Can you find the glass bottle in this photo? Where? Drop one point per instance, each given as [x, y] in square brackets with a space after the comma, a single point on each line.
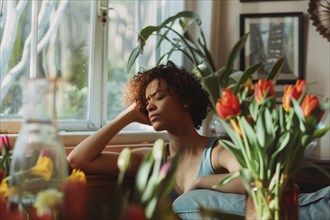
[38, 160]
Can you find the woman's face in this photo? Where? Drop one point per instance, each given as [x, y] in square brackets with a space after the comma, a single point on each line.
[165, 112]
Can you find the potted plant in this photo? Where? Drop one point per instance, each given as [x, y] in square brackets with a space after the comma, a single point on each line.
[195, 50]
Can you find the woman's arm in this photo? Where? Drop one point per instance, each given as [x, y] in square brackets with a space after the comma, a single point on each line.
[88, 155]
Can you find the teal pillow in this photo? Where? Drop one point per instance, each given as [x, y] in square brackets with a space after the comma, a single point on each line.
[314, 205]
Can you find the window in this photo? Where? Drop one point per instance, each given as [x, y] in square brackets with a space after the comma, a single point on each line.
[84, 43]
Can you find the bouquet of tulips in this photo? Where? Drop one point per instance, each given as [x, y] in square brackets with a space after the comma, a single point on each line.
[269, 139]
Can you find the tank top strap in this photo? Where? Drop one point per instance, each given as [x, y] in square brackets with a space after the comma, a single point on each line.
[205, 167]
[167, 153]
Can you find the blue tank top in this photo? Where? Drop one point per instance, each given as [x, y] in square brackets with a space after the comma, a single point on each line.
[205, 167]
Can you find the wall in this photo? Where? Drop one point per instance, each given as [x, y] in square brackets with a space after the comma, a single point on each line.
[316, 48]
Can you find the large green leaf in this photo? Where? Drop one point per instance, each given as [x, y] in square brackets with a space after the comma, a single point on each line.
[232, 58]
[281, 144]
[183, 14]
[277, 67]
[146, 32]
[132, 58]
[261, 131]
[320, 132]
[251, 134]
[233, 136]
[212, 86]
[298, 111]
[270, 128]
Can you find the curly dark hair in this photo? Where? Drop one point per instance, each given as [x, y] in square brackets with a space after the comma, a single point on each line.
[186, 86]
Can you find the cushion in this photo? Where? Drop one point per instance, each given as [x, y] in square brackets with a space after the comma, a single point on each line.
[314, 205]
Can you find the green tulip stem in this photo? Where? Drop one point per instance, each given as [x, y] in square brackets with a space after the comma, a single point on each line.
[120, 178]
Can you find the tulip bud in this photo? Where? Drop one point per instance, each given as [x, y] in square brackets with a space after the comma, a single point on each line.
[261, 88]
[300, 85]
[158, 149]
[164, 170]
[290, 92]
[4, 142]
[309, 104]
[124, 160]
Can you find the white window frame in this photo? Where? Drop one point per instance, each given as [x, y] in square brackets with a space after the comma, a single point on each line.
[97, 102]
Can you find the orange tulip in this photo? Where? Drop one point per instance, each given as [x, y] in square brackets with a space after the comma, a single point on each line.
[228, 106]
[261, 88]
[309, 104]
[290, 92]
[300, 85]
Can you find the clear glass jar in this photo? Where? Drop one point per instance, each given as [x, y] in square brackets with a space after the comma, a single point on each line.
[216, 129]
[38, 160]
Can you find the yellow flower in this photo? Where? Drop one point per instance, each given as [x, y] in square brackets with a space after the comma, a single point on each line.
[4, 192]
[47, 201]
[43, 168]
[78, 175]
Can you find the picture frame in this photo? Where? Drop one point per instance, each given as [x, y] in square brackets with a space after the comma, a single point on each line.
[261, 0]
[272, 35]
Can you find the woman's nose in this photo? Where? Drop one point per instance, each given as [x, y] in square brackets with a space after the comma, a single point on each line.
[151, 106]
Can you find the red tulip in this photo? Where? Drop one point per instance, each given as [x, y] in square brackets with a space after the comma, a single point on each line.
[228, 106]
[309, 104]
[10, 213]
[135, 212]
[261, 88]
[75, 200]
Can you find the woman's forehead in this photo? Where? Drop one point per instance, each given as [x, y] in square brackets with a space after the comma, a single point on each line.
[155, 85]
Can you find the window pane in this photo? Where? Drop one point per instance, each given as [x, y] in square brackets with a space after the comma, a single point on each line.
[63, 46]
[125, 21]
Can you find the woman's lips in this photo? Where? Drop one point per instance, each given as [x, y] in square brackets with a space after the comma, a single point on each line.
[153, 117]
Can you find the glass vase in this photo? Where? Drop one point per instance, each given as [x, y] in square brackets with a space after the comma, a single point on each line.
[215, 127]
[262, 204]
[289, 204]
[38, 160]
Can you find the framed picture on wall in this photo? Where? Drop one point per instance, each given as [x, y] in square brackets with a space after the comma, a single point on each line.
[261, 0]
[273, 35]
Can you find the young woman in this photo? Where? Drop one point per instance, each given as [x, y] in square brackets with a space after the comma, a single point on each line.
[171, 99]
